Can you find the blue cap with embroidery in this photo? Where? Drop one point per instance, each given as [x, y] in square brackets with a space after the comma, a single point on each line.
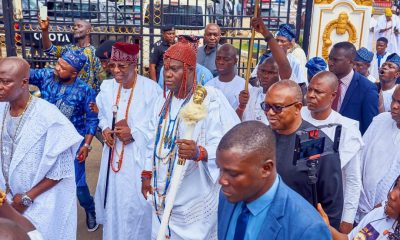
[363, 55]
[394, 58]
[75, 58]
[287, 31]
[315, 65]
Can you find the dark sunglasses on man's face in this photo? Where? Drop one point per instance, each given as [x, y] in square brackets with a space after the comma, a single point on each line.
[277, 109]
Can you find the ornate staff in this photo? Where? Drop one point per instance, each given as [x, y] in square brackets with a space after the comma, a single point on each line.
[115, 109]
[190, 114]
[250, 54]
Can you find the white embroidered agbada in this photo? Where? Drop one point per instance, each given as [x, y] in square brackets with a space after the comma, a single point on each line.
[380, 162]
[350, 147]
[194, 214]
[127, 214]
[253, 109]
[45, 148]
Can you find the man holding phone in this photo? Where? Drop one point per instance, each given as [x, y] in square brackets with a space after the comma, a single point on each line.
[92, 68]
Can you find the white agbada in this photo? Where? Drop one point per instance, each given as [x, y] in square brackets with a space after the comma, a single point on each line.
[371, 78]
[45, 148]
[253, 109]
[194, 213]
[127, 214]
[380, 162]
[299, 74]
[387, 98]
[231, 89]
[371, 35]
[374, 68]
[350, 147]
[299, 54]
[389, 35]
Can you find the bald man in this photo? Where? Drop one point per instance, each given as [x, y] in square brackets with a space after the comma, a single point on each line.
[38, 150]
[207, 53]
[91, 72]
[253, 191]
[320, 95]
[227, 80]
[282, 106]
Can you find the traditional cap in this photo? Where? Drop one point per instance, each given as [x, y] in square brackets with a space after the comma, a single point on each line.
[75, 58]
[124, 52]
[315, 65]
[105, 49]
[363, 55]
[388, 12]
[182, 52]
[168, 27]
[287, 31]
[394, 58]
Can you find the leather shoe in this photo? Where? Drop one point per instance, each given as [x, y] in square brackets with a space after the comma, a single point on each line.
[91, 221]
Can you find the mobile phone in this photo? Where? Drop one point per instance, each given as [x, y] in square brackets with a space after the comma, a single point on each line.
[43, 13]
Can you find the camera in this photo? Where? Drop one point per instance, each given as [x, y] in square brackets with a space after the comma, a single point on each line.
[309, 148]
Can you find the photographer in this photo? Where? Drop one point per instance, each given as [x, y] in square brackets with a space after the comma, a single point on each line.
[282, 107]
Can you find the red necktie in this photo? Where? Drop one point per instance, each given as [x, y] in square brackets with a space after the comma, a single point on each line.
[336, 100]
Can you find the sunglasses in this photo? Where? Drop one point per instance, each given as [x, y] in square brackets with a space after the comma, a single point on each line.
[277, 109]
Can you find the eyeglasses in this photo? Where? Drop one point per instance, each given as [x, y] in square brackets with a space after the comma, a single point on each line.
[277, 109]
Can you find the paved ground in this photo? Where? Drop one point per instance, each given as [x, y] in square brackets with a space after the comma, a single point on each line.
[92, 172]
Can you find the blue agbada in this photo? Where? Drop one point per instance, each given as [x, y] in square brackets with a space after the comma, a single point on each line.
[72, 99]
[286, 30]
[315, 65]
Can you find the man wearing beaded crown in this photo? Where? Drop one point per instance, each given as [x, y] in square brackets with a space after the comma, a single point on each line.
[132, 96]
[38, 145]
[194, 212]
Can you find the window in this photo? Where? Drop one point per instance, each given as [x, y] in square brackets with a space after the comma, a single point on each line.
[181, 17]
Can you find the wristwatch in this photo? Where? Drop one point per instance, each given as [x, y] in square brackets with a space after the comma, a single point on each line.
[26, 200]
[88, 146]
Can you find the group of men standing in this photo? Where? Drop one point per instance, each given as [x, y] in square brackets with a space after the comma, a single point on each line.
[239, 180]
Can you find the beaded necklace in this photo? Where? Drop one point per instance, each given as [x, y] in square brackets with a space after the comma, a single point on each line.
[13, 138]
[166, 140]
[121, 156]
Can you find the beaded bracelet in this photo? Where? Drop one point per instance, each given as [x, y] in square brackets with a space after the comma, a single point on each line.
[202, 152]
[146, 175]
